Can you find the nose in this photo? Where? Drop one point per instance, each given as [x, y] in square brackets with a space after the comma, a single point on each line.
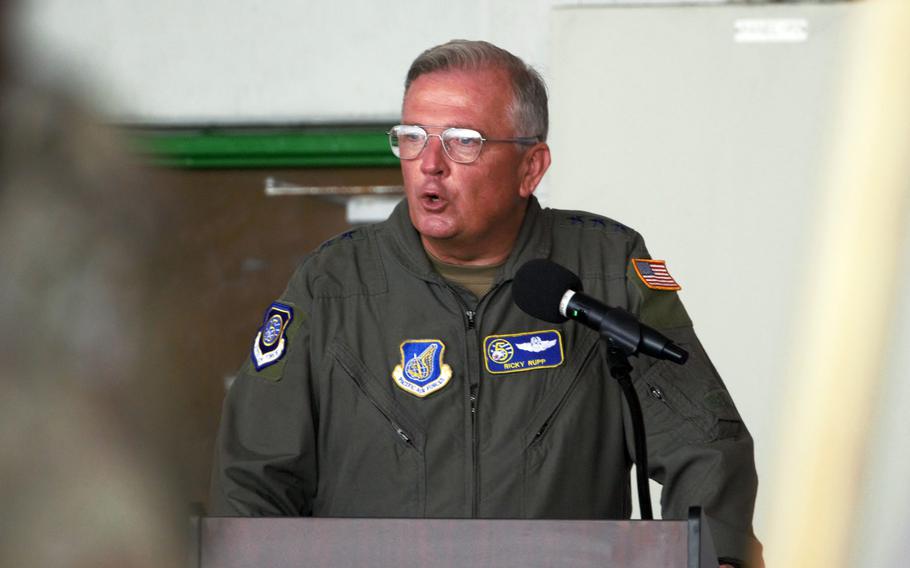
[433, 161]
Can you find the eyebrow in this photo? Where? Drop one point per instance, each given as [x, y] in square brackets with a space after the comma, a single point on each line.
[444, 127]
[439, 126]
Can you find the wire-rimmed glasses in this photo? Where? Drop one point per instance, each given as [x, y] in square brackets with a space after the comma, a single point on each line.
[462, 145]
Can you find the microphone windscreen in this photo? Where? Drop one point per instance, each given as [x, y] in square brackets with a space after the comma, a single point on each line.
[539, 287]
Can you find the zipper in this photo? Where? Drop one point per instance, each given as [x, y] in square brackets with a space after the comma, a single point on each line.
[474, 391]
[655, 393]
[473, 394]
[404, 435]
[588, 351]
[695, 421]
[399, 431]
[541, 431]
[475, 501]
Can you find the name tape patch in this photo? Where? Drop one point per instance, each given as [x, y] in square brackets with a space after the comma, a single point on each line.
[422, 370]
[517, 352]
[271, 341]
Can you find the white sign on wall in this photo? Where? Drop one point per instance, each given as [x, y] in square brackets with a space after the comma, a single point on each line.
[769, 30]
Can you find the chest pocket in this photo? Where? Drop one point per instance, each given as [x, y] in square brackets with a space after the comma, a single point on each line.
[371, 454]
[573, 462]
[544, 418]
[682, 404]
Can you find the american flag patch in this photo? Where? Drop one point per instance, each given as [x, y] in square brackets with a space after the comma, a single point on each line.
[654, 274]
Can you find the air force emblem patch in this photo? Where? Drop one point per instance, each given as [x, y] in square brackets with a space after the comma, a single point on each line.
[422, 370]
[271, 341]
[518, 352]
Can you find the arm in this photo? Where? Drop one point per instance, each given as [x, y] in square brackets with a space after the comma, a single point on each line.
[698, 447]
[265, 460]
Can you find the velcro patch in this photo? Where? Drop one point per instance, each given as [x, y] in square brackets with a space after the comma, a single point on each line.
[516, 352]
[270, 344]
[654, 274]
[422, 370]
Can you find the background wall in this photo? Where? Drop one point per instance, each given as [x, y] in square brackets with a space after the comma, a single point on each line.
[716, 150]
[242, 61]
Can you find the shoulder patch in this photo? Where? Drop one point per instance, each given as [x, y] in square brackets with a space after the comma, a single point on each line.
[654, 274]
[271, 343]
[516, 352]
[659, 307]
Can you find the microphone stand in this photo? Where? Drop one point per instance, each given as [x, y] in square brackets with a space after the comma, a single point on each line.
[620, 368]
[623, 335]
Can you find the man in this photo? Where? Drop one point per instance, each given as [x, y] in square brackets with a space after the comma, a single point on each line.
[396, 378]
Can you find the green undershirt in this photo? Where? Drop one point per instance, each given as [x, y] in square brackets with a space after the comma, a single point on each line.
[477, 279]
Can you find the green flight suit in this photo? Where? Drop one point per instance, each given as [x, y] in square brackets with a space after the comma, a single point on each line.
[325, 431]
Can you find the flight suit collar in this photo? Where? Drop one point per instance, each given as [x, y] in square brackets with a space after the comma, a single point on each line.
[532, 242]
[406, 246]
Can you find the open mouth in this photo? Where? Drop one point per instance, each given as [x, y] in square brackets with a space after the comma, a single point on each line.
[432, 197]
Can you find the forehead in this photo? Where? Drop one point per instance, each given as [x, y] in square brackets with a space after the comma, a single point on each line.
[477, 99]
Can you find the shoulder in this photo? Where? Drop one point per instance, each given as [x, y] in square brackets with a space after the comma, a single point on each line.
[595, 246]
[585, 222]
[348, 264]
[613, 262]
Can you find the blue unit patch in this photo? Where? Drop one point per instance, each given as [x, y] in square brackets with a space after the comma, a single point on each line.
[422, 370]
[270, 344]
[518, 352]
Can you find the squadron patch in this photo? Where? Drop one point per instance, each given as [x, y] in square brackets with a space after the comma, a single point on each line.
[654, 274]
[518, 352]
[422, 370]
[271, 341]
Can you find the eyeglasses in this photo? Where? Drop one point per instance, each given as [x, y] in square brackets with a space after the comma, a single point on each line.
[461, 145]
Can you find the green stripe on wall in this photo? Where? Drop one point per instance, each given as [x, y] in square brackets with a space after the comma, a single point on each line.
[347, 149]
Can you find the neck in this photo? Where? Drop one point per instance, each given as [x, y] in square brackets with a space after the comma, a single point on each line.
[452, 253]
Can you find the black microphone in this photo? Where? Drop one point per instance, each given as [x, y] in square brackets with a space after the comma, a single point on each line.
[551, 292]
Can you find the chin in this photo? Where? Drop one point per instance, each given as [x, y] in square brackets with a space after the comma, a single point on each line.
[433, 228]
[436, 234]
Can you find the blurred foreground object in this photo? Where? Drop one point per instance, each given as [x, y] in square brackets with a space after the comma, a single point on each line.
[84, 431]
[848, 303]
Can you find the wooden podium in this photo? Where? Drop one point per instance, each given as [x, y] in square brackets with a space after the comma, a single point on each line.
[229, 542]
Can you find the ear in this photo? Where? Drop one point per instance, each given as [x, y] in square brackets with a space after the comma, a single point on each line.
[534, 165]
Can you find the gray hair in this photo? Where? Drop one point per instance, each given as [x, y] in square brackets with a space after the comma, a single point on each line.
[529, 93]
